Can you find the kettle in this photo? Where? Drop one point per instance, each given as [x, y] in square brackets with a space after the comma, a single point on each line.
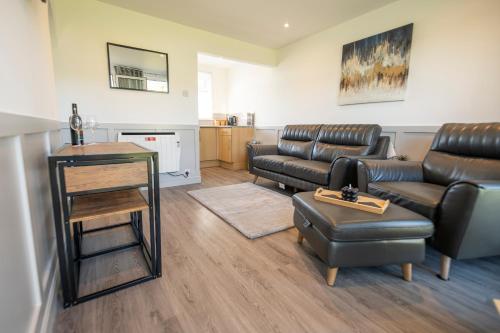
[232, 121]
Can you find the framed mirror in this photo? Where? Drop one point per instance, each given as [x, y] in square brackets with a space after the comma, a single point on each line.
[132, 68]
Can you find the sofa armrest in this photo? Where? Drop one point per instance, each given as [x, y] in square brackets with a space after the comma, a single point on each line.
[343, 171]
[257, 150]
[468, 225]
[370, 171]
[381, 148]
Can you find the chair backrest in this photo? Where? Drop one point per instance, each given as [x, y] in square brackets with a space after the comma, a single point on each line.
[298, 140]
[345, 139]
[464, 151]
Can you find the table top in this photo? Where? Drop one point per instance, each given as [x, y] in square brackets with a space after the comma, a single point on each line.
[98, 149]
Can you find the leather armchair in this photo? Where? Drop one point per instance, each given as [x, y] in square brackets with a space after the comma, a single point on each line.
[457, 186]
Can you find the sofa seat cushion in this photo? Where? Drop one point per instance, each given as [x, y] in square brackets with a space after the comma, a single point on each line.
[313, 171]
[422, 198]
[272, 162]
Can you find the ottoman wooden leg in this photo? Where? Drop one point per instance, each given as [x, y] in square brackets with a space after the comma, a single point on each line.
[255, 179]
[407, 272]
[331, 275]
[445, 267]
[300, 238]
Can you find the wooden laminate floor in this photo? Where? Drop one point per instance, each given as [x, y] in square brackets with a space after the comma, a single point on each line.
[216, 280]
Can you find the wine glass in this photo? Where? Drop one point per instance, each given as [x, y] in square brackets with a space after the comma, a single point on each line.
[91, 124]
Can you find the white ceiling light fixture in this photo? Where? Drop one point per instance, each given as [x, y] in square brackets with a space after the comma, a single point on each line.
[286, 25]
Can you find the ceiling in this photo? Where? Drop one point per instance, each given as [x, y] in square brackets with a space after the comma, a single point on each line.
[216, 61]
[255, 21]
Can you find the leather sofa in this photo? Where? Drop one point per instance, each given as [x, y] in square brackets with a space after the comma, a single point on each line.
[457, 186]
[312, 156]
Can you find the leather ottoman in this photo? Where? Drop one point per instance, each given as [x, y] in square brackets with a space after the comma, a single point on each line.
[347, 237]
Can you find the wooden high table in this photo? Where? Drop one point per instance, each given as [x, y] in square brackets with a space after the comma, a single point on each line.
[100, 180]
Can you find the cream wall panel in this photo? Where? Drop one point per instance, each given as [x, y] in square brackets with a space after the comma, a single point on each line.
[18, 272]
[454, 70]
[80, 31]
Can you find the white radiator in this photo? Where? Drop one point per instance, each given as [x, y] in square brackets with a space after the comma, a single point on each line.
[167, 144]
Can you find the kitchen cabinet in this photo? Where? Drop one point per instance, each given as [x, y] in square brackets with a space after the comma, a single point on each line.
[208, 144]
[225, 146]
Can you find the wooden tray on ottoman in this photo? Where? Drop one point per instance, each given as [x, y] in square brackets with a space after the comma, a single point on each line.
[367, 204]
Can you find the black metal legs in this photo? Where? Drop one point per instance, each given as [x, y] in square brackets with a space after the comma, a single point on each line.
[157, 213]
[61, 252]
[136, 224]
[70, 236]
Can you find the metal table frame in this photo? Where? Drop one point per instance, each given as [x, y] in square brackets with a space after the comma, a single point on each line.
[69, 261]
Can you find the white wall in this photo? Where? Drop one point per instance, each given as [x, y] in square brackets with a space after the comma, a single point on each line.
[219, 86]
[454, 69]
[26, 72]
[251, 89]
[27, 125]
[80, 32]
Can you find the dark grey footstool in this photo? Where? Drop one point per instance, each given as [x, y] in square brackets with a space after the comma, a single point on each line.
[346, 237]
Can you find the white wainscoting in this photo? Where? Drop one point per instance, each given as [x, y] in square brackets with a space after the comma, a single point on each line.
[27, 244]
[190, 145]
[413, 141]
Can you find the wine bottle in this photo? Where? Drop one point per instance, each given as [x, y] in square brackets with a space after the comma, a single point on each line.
[75, 125]
[74, 132]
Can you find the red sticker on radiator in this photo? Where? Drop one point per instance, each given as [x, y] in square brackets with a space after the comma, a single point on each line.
[150, 138]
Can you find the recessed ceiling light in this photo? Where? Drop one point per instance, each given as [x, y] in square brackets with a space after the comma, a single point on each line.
[286, 25]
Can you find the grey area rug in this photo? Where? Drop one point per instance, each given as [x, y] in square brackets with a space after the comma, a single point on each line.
[253, 210]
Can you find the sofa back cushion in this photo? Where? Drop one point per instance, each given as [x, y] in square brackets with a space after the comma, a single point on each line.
[464, 151]
[345, 139]
[298, 140]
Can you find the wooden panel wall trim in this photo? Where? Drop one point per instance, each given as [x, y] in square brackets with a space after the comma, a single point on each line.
[83, 178]
[413, 141]
[34, 138]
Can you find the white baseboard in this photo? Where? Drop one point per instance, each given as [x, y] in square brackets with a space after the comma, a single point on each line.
[178, 181]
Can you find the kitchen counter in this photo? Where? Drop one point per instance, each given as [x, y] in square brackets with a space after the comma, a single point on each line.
[227, 126]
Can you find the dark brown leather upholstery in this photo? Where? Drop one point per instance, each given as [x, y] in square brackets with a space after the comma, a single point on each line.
[444, 168]
[274, 163]
[313, 171]
[468, 224]
[345, 140]
[345, 237]
[292, 161]
[475, 140]
[422, 198]
[298, 140]
[457, 185]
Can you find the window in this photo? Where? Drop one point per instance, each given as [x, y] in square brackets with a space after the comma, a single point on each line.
[205, 98]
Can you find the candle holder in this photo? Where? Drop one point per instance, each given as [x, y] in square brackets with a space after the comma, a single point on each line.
[350, 193]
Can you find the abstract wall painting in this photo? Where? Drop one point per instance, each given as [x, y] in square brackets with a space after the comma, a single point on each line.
[375, 69]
